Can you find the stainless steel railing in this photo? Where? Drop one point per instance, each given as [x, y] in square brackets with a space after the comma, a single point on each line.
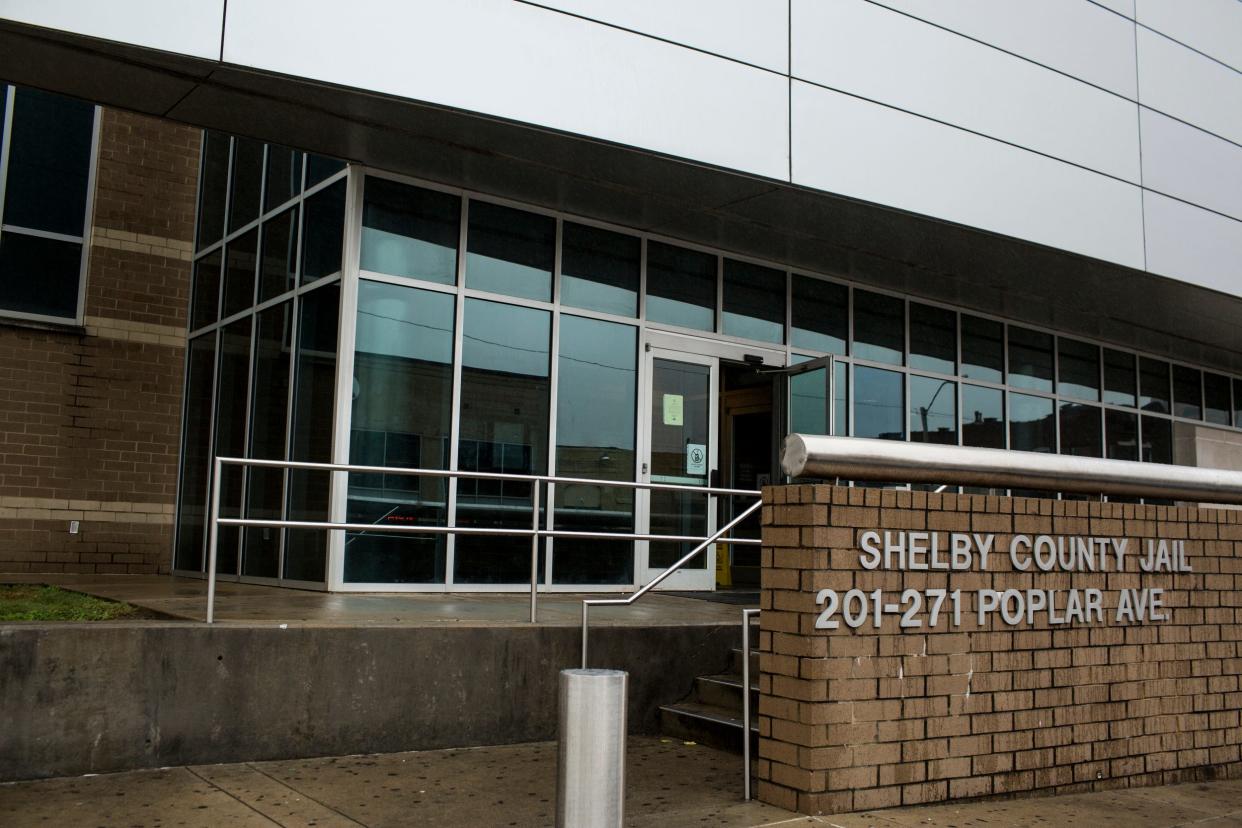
[535, 532]
[747, 615]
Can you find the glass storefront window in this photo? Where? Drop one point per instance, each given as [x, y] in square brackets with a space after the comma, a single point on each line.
[205, 303]
[410, 231]
[278, 268]
[1120, 384]
[1237, 403]
[321, 168]
[213, 188]
[820, 313]
[983, 416]
[247, 182]
[323, 224]
[195, 452]
[879, 327]
[284, 176]
[1032, 424]
[1078, 367]
[268, 406]
[983, 349]
[933, 411]
[232, 385]
[1154, 386]
[1217, 402]
[1157, 440]
[600, 269]
[1121, 435]
[1187, 393]
[510, 251]
[754, 301]
[1080, 430]
[1030, 359]
[240, 259]
[681, 287]
[879, 404]
[933, 339]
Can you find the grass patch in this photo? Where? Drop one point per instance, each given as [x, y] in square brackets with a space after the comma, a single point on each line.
[36, 602]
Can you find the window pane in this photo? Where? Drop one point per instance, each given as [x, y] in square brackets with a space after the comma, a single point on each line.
[247, 182]
[820, 314]
[808, 413]
[213, 187]
[4, 107]
[510, 251]
[264, 490]
[49, 162]
[1030, 359]
[39, 275]
[1157, 440]
[1237, 403]
[1032, 425]
[599, 269]
[879, 407]
[284, 176]
[240, 260]
[933, 338]
[983, 349]
[195, 452]
[206, 304]
[1120, 384]
[410, 231]
[231, 387]
[322, 231]
[681, 287]
[1216, 399]
[1080, 430]
[504, 428]
[1078, 366]
[879, 327]
[595, 414]
[840, 393]
[311, 439]
[280, 254]
[1154, 385]
[933, 411]
[1121, 433]
[754, 302]
[983, 417]
[402, 400]
[320, 168]
[1187, 393]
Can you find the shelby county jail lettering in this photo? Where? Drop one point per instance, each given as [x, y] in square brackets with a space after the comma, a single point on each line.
[923, 551]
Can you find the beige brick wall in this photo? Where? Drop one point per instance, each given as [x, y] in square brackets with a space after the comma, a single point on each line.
[853, 719]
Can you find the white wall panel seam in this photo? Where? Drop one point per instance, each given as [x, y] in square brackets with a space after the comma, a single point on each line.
[1138, 91]
[1186, 45]
[1109, 8]
[1183, 85]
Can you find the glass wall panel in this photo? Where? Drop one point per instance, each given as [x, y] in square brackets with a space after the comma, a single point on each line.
[321, 168]
[1187, 393]
[510, 251]
[600, 269]
[1154, 385]
[879, 404]
[240, 259]
[205, 306]
[983, 417]
[840, 393]
[284, 176]
[1032, 424]
[403, 396]
[311, 439]
[933, 339]
[195, 452]
[410, 231]
[1120, 383]
[247, 182]
[681, 287]
[1078, 366]
[234, 381]
[1030, 359]
[933, 411]
[1121, 435]
[754, 302]
[983, 349]
[213, 188]
[504, 428]
[680, 411]
[40, 275]
[1217, 403]
[280, 254]
[808, 400]
[1237, 403]
[879, 328]
[1157, 440]
[268, 407]
[1080, 430]
[322, 232]
[49, 162]
[820, 315]
[597, 387]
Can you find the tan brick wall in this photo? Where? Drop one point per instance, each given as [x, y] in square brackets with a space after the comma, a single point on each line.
[90, 418]
[853, 719]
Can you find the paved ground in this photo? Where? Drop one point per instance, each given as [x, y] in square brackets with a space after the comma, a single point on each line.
[670, 784]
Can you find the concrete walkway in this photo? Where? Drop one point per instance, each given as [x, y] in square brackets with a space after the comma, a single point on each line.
[670, 784]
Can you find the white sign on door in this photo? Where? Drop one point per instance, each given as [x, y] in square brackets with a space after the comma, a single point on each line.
[696, 459]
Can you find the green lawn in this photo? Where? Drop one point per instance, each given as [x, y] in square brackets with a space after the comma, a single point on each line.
[35, 602]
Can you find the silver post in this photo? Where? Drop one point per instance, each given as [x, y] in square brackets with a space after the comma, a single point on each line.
[590, 778]
[213, 540]
[534, 549]
[746, 616]
[586, 608]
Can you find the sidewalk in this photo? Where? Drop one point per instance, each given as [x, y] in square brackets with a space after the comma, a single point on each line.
[670, 784]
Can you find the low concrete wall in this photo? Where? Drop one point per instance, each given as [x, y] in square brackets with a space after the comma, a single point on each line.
[78, 698]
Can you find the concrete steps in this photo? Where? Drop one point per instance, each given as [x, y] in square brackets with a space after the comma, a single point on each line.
[712, 713]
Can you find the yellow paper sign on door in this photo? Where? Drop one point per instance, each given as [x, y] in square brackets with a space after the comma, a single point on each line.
[673, 409]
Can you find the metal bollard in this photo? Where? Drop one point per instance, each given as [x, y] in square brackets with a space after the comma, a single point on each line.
[590, 783]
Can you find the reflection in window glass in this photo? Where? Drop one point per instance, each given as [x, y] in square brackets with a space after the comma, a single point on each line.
[1032, 424]
[1120, 385]
[599, 269]
[820, 315]
[231, 390]
[1154, 385]
[933, 339]
[1078, 366]
[597, 385]
[879, 407]
[49, 162]
[840, 393]
[504, 428]
[983, 417]
[754, 302]
[1217, 403]
[983, 349]
[933, 411]
[410, 231]
[204, 309]
[195, 453]
[247, 182]
[322, 229]
[39, 275]
[1080, 429]
[1121, 435]
[213, 185]
[403, 392]
[284, 176]
[1157, 440]
[808, 395]
[277, 272]
[320, 168]
[1030, 359]
[240, 258]
[1187, 393]
[681, 287]
[265, 487]
[510, 251]
[1237, 403]
[879, 327]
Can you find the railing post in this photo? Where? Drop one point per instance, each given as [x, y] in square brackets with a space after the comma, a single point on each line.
[586, 608]
[534, 549]
[213, 539]
[746, 616]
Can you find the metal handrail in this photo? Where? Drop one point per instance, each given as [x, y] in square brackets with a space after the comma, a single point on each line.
[534, 533]
[617, 602]
[747, 615]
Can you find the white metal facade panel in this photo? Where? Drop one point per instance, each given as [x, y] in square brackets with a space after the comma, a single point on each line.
[849, 146]
[1214, 27]
[861, 48]
[527, 64]
[1190, 164]
[188, 27]
[1072, 36]
[1193, 245]
[754, 31]
[1124, 7]
[1189, 86]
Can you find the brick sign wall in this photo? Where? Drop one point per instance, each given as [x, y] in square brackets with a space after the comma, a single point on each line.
[921, 647]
